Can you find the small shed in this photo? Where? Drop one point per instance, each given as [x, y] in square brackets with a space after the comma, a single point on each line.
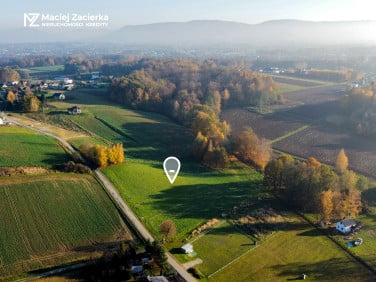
[157, 279]
[74, 110]
[346, 225]
[187, 248]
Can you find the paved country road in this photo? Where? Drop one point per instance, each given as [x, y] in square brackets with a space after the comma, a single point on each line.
[132, 218]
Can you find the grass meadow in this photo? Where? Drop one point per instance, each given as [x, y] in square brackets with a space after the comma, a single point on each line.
[24, 147]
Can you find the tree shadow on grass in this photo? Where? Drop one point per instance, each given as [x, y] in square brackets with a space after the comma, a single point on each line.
[312, 232]
[370, 196]
[205, 200]
[165, 139]
[334, 269]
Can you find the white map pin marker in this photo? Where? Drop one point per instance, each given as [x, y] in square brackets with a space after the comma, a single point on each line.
[171, 166]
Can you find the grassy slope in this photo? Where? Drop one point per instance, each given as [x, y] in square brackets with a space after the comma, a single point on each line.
[190, 201]
[46, 218]
[198, 194]
[23, 147]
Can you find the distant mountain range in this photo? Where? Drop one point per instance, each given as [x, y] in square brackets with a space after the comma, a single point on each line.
[277, 33]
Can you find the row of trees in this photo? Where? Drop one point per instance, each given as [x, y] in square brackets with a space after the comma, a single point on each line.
[28, 103]
[103, 156]
[8, 74]
[334, 75]
[360, 108]
[175, 86]
[314, 187]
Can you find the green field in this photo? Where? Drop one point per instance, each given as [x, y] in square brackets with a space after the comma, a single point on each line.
[52, 219]
[221, 246]
[23, 147]
[285, 255]
[35, 70]
[194, 198]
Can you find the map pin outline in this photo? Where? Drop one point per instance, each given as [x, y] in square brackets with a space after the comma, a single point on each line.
[172, 180]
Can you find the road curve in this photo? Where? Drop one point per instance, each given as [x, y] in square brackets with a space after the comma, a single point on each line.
[132, 218]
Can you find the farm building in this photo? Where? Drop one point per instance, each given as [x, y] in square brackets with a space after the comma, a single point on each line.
[74, 110]
[187, 248]
[346, 225]
[59, 96]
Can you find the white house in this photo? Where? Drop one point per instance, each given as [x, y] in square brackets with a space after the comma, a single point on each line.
[344, 226]
[187, 248]
[1, 121]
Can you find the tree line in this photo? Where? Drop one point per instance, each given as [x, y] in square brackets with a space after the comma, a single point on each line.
[359, 106]
[332, 193]
[27, 101]
[101, 155]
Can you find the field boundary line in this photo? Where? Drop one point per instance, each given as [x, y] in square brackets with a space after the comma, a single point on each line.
[208, 231]
[239, 257]
[289, 134]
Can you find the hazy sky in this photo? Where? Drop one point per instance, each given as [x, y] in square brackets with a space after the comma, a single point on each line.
[126, 12]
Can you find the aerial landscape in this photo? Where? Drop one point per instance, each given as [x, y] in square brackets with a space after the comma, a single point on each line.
[188, 141]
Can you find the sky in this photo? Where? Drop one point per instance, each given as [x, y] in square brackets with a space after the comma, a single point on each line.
[126, 12]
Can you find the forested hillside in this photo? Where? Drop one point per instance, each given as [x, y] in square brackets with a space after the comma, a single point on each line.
[193, 94]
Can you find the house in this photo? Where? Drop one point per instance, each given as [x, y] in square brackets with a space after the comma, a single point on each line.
[1, 121]
[68, 87]
[346, 225]
[74, 110]
[187, 248]
[59, 96]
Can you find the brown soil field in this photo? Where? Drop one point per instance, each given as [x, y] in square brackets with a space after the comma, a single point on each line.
[321, 140]
[323, 144]
[266, 126]
[298, 82]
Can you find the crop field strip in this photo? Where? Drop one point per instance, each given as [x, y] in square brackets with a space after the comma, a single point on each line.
[45, 219]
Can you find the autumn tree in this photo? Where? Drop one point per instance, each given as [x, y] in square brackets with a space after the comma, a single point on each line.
[342, 161]
[355, 203]
[11, 97]
[115, 154]
[168, 229]
[101, 155]
[30, 103]
[248, 147]
[279, 172]
[326, 205]
[199, 146]
[9, 74]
